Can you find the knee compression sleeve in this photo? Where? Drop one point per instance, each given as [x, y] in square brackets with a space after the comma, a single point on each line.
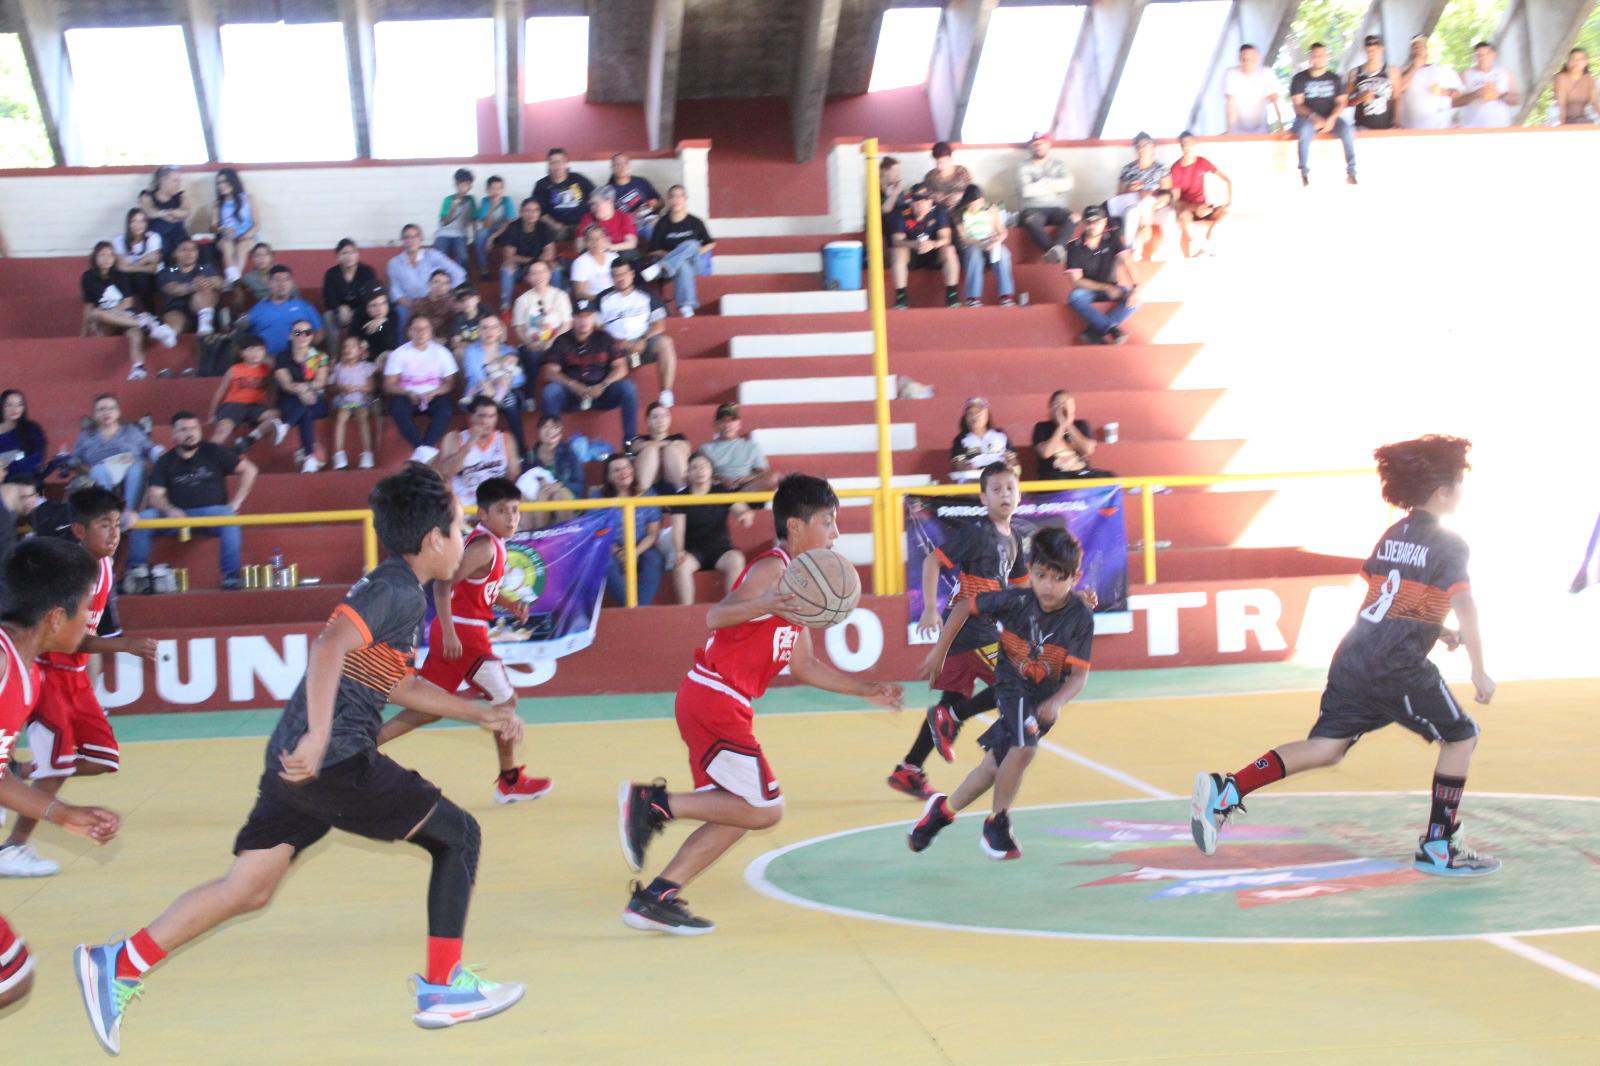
[452, 837]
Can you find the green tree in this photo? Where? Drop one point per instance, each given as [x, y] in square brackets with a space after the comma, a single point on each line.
[23, 142]
[1463, 24]
[1330, 21]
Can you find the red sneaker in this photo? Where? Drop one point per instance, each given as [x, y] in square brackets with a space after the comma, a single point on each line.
[526, 788]
[943, 727]
[910, 780]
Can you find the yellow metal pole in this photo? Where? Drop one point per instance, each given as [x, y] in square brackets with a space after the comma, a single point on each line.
[1147, 512]
[369, 543]
[883, 524]
[630, 552]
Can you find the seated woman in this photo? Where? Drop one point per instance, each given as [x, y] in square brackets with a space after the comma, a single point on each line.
[591, 270]
[345, 288]
[301, 374]
[551, 471]
[621, 480]
[22, 440]
[978, 443]
[379, 326]
[981, 234]
[109, 307]
[140, 254]
[257, 280]
[235, 224]
[701, 533]
[492, 369]
[660, 456]
[114, 454]
[168, 207]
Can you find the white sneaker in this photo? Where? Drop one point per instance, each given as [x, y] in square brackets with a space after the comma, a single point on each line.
[164, 334]
[340, 460]
[230, 274]
[651, 272]
[424, 454]
[310, 466]
[366, 461]
[666, 398]
[687, 310]
[138, 373]
[20, 860]
[280, 430]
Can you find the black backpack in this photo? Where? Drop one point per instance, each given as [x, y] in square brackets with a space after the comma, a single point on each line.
[216, 355]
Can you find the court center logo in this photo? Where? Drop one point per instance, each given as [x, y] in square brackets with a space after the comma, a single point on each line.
[1304, 867]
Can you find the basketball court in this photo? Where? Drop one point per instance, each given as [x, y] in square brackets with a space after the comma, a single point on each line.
[1305, 939]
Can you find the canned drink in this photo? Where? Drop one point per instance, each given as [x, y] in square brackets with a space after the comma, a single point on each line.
[181, 574]
[294, 575]
[250, 579]
[1022, 298]
[185, 535]
[1109, 431]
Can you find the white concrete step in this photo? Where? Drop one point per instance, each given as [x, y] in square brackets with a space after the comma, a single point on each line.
[773, 226]
[819, 302]
[810, 390]
[834, 440]
[780, 345]
[904, 481]
[768, 263]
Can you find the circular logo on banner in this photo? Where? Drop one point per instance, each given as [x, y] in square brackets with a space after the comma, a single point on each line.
[1306, 867]
[525, 575]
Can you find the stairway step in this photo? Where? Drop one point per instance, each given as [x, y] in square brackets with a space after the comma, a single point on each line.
[772, 226]
[789, 345]
[818, 302]
[768, 263]
[833, 440]
[862, 387]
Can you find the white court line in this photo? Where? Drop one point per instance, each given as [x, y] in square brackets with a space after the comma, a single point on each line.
[1540, 957]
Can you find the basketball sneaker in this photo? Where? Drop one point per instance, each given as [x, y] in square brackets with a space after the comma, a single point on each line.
[935, 816]
[943, 727]
[526, 788]
[105, 995]
[466, 997]
[1446, 858]
[1215, 798]
[996, 839]
[910, 780]
[641, 812]
[20, 860]
[663, 913]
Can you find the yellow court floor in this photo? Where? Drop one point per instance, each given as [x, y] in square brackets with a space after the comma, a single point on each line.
[852, 950]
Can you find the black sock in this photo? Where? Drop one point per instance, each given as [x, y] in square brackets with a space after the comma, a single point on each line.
[983, 701]
[660, 888]
[899, 294]
[949, 292]
[1446, 801]
[510, 776]
[922, 746]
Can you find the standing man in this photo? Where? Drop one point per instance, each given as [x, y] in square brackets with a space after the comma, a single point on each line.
[410, 270]
[1373, 87]
[1100, 273]
[636, 320]
[1319, 97]
[1490, 91]
[563, 196]
[1250, 89]
[1045, 183]
[1428, 91]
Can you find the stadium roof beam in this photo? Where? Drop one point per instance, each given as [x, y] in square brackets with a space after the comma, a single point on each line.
[202, 37]
[1096, 68]
[1396, 21]
[510, 71]
[360, 49]
[956, 50]
[819, 30]
[1263, 23]
[1533, 41]
[44, 46]
[661, 84]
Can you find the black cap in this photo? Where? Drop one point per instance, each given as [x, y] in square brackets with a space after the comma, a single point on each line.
[581, 306]
[1092, 212]
[727, 410]
[464, 290]
[1372, 39]
[920, 191]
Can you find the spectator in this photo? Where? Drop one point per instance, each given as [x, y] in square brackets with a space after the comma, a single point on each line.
[551, 472]
[619, 227]
[1199, 204]
[271, 318]
[1319, 98]
[190, 481]
[585, 369]
[352, 399]
[636, 320]
[493, 371]
[1044, 183]
[1428, 91]
[244, 398]
[946, 181]
[257, 281]
[1489, 91]
[1100, 273]
[591, 270]
[737, 462]
[417, 377]
[635, 197]
[113, 453]
[191, 290]
[701, 533]
[167, 206]
[540, 315]
[676, 248]
[22, 440]
[466, 319]
[495, 213]
[381, 329]
[235, 224]
[1144, 198]
[437, 305]
[139, 257]
[978, 442]
[1064, 443]
[474, 455]
[1372, 87]
[410, 270]
[1577, 99]
[895, 196]
[345, 288]
[562, 195]
[983, 242]
[660, 456]
[923, 240]
[20, 499]
[302, 376]
[520, 245]
[109, 306]
[456, 215]
[621, 480]
[1250, 89]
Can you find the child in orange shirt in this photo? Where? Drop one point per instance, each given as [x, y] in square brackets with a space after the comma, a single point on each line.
[245, 397]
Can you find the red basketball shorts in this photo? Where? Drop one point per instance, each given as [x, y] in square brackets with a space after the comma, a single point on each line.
[478, 668]
[69, 727]
[964, 670]
[716, 724]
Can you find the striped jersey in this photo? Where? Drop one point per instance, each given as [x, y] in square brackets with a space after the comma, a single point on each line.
[985, 560]
[1039, 649]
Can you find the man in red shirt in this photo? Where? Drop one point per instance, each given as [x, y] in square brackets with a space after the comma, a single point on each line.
[1196, 209]
[619, 227]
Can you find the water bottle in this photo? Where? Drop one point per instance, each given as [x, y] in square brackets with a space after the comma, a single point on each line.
[277, 562]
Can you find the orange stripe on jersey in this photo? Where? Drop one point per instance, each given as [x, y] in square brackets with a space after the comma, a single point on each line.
[1414, 600]
[972, 585]
[1052, 661]
[344, 610]
[377, 666]
[944, 560]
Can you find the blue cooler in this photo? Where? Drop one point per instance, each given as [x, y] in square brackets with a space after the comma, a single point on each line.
[841, 264]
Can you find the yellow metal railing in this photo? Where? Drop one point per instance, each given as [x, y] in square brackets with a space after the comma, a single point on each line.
[883, 521]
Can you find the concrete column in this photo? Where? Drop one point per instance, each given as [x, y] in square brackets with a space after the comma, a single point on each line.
[510, 71]
[203, 37]
[956, 49]
[1263, 23]
[661, 82]
[1533, 41]
[361, 52]
[1096, 67]
[45, 49]
[819, 29]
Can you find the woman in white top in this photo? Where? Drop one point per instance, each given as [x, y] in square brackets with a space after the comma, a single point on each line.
[978, 442]
[543, 313]
[983, 242]
[591, 271]
[478, 453]
[139, 255]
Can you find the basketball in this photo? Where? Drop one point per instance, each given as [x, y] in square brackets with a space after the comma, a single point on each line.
[826, 584]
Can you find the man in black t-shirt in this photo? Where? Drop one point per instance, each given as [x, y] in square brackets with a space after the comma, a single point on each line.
[1319, 98]
[563, 195]
[519, 245]
[1064, 443]
[922, 239]
[1098, 266]
[676, 245]
[190, 290]
[190, 480]
[585, 369]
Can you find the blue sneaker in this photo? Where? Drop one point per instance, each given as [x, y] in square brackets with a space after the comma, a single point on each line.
[1215, 798]
[1446, 858]
[105, 995]
[465, 998]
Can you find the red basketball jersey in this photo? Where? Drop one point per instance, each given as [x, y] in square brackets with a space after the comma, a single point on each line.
[18, 693]
[472, 601]
[742, 660]
[79, 660]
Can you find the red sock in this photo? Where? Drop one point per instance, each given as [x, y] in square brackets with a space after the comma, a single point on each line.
[444, 952]
[139, 953]
[1264, 771]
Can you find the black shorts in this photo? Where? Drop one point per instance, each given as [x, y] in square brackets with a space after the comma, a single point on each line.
[1425, 707]
[368, 794]
[650, 353]
[708, 554]
[241, 414]
[1017, 726]
[926, 260]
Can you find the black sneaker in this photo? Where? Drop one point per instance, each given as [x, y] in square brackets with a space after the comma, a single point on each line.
[996, 839]
[951, 298]
[1116, 336]
[901, 303]
[641, 812]
[666, 913]
[935, 816]
[1089, 336]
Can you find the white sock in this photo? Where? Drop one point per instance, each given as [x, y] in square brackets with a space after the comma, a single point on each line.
[205, 317]
[231, 275]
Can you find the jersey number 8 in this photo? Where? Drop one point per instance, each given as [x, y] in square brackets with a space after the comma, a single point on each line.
[1385, 600]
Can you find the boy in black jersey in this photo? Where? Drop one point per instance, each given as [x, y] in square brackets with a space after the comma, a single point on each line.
[323, 772]
[987, 555]
[1381, 673]
[1046, 632]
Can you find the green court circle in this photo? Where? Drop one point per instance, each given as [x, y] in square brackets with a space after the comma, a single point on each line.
[1300, 868]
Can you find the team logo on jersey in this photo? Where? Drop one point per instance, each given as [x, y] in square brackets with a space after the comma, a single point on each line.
[783, 639]
[7, 741]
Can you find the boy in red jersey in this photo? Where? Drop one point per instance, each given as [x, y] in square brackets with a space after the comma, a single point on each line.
[69, 733]
[751, 642]
[459, 651]
[48, 585]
